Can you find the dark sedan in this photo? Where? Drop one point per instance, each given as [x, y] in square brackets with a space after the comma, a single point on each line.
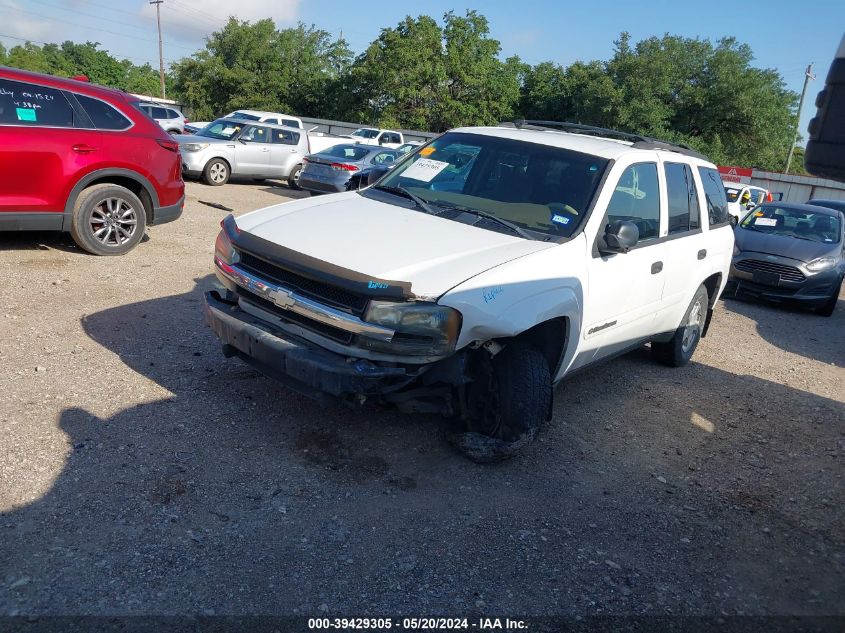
[791, 253]
[330, 170]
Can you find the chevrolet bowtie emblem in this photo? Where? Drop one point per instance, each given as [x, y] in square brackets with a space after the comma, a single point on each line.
[282, 298]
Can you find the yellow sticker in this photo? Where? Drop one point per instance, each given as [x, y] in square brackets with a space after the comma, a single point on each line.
[759, 214]
[426, 151]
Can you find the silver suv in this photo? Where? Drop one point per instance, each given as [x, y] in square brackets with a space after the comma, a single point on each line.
[170, 120]
[234, 147]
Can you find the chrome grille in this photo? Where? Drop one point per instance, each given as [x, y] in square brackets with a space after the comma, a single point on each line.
[788, 273]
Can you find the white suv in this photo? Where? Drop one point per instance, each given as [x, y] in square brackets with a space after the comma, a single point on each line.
[170, 120]
[478, 273]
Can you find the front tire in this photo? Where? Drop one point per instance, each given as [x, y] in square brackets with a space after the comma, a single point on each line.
[829, 306]
[216, 172]
[678, 351]
[108, 220]
[509, 398]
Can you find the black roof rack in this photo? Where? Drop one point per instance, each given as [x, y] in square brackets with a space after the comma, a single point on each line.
[637, 140]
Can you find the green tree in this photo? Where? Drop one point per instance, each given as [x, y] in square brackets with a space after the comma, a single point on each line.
[424, 76]
[254, 65]
[687, 90]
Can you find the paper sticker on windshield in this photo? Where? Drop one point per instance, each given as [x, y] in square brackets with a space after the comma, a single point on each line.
[765, 221]
[425, 169]
[25, 114]
[560, 219]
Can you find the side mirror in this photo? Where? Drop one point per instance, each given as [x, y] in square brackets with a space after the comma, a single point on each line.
[376, 173]
[620, 237]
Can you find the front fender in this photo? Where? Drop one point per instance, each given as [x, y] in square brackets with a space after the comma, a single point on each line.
[508, 300]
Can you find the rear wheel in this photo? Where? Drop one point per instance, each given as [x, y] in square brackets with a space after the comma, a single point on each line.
[293, 178]
[678, 351]
[108, 220]
[216, 172]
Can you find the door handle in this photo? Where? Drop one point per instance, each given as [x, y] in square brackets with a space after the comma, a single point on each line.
[83, 148]
[265, 149]
[656, 267]
[702, 253]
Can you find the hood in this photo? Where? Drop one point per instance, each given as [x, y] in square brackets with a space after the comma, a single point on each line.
[387, 241]
[792, 247]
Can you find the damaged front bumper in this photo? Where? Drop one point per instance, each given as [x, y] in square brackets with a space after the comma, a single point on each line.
[317, 372]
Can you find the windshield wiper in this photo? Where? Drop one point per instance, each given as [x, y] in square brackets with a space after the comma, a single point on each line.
[401, 191]
[483, 214]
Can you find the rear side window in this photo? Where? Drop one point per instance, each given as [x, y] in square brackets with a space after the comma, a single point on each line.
[291, 123]
[172, 114]
[714, 194]
[28, 104]
[285, 137]
[637, 199]
[683, 198]
[103, 115]
[159, 113]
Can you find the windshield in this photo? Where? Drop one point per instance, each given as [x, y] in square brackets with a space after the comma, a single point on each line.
[791, 222]
[244, 116]
[365, 133]
[535, 187]
[222, 129]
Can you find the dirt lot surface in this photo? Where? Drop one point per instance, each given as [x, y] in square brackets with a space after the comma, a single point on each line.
[143, 473]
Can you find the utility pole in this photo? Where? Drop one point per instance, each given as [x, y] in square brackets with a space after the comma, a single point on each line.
[808, 75]
[160, 49]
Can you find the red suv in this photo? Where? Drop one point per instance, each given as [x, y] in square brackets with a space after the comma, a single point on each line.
[83, 158]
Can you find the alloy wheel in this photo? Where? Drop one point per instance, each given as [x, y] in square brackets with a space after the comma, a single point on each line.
[113, 221]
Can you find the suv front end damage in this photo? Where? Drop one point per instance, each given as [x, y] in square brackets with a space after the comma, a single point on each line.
[324, 331]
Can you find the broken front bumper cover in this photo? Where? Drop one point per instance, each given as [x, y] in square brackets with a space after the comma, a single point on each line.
[296, 363]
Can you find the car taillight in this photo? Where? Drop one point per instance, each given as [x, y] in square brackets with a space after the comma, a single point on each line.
[187, 120]
[171, 146]
[343, 167]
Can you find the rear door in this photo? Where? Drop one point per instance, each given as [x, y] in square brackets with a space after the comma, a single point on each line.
[252, 153]
[286, 151]
[40, 147]
[687, 256]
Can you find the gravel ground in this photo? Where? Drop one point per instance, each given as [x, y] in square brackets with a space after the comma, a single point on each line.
[143, 473]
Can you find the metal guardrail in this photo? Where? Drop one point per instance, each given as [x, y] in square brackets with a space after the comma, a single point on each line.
[329, 126]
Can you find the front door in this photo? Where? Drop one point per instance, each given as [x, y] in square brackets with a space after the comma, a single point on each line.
[252, 153]
[625, 290]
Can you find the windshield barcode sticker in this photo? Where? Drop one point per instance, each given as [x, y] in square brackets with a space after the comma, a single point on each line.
[424, 169]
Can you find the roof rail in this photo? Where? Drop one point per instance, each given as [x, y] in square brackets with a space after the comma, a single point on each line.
[637, 140]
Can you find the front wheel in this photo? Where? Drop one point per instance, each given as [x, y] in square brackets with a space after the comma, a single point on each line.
[216, 172]
[830, 305]
[510, 396]
[678, 350]
[108, 220]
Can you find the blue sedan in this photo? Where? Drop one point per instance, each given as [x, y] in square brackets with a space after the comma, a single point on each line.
[330, 170]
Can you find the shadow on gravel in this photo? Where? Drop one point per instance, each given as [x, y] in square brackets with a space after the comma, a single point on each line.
[797, 330]
[283, 190]
[653, 491]
[38, 240]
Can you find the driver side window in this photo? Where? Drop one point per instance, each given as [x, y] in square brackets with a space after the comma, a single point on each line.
[637, 199]
[256, 134]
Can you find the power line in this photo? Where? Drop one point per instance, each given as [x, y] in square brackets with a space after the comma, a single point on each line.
[29, 39]
[82, 26]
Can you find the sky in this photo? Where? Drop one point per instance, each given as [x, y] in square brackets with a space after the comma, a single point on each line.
[784, 35]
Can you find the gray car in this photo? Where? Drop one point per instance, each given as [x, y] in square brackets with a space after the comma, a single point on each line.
[233, 147]
[790, 253]
[170, 119]
[330, 170]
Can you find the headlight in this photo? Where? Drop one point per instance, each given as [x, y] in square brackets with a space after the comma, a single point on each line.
[193, 147]
[223, 249]
[822, 263]
[422, 329]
